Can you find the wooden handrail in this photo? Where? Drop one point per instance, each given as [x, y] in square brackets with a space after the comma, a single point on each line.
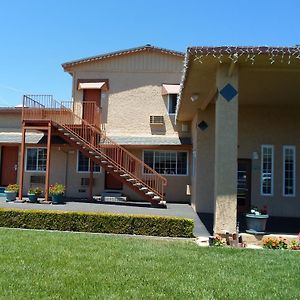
[94, 138]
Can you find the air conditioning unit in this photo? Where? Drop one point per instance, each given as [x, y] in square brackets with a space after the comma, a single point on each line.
[37, 179]
[86, 181]
[157, 120]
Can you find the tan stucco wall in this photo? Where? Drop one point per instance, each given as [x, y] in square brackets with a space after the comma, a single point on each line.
[10, 121]
[135, 86]
[74, 189]
[257, 125]
[277, 126]
[176, 190]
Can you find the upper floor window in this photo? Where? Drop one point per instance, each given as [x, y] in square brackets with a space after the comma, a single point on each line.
[36, 159]
[172, 102]
[167, 162]
[83, 164]
[267, 170]
[289, 170]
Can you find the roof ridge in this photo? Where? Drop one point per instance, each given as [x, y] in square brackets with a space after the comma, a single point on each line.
[146, 47]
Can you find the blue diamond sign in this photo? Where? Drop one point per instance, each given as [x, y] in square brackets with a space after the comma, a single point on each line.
[228, 92]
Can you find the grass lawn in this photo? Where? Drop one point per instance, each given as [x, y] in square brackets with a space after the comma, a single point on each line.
[58, 265]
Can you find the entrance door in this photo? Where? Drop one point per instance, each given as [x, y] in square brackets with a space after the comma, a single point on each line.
[244, 185]
[92, 106]
[9, 165]
[112, 183]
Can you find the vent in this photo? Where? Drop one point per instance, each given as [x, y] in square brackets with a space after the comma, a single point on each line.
[158, 120]
[86, 181]
[37, 179]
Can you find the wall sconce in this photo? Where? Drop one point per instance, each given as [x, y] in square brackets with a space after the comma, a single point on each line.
[194, 97]
[255, 156]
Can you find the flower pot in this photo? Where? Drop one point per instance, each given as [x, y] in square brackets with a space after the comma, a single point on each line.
[10, 196]
[57, 198]
[32, 198]
[256, 223]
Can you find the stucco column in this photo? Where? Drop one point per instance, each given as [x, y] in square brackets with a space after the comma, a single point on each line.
[226, 135]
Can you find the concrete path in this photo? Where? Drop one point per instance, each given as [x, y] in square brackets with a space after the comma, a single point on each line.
[141, 208]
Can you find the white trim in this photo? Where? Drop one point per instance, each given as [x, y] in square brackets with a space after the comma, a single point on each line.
[291, 147]
[33, 171]
[272, 170]
[171, 114]
[177, 175]
[85, 172]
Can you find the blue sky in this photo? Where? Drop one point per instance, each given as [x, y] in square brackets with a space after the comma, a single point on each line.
[37, 36]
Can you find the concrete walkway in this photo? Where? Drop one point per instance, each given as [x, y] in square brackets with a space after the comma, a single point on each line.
[141, 208]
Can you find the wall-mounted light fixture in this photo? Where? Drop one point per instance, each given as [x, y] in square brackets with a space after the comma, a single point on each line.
[255, 156]
[194, 97]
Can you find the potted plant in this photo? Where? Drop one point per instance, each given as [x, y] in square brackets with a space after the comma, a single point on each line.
[11, 192]
[56, 192]
[34, 193]
[256, 220]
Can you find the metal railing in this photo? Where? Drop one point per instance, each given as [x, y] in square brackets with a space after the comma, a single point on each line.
[44, 107]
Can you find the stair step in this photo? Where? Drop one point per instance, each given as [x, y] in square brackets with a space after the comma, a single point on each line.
[143, 188]
[67, 133]
[78, 143]
[156, 198]
[131, 179]
[137, 184]
[124, 175]
[104, 161]
[150, 193]
[61, 129]
[97, 156]
[110, 166]
[91, 152]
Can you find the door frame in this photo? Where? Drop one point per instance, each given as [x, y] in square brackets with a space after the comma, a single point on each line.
[106, 173]
[16, 146]
[247, 206]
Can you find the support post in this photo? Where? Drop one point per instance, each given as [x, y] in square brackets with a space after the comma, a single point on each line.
[21, 172]
[48, 162]
[226, 144]
[91, 179]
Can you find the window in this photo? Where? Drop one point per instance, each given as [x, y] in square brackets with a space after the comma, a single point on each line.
[36, 159]
[83, 164]
[289, 170]
[267, 167]
[172, 102]
[167, 162]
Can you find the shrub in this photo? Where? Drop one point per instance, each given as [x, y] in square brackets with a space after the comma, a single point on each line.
[97, 222]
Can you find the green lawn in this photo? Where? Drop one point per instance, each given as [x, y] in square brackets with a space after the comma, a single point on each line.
[58, 265]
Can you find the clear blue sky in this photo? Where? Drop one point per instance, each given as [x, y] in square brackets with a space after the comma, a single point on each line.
[38, 35]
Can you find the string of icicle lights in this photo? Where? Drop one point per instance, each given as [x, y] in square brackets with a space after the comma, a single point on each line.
[280, 54]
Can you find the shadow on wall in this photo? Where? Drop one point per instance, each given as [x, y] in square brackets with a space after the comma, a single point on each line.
[274, 224]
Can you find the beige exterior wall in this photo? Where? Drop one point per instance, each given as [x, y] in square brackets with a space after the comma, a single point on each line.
[176, 190]
[257, 125]
[277, 126]
[135, 87]
[10, 121]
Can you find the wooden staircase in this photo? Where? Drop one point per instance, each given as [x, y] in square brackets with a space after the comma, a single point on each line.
[94, 144]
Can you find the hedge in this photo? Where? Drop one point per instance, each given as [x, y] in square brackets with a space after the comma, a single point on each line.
[97, 222]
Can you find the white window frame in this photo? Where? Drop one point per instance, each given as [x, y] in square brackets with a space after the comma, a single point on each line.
[88, 171]
[169, 100]
[272, 170]
[290, 147]
[187, 162]
[33, 171]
